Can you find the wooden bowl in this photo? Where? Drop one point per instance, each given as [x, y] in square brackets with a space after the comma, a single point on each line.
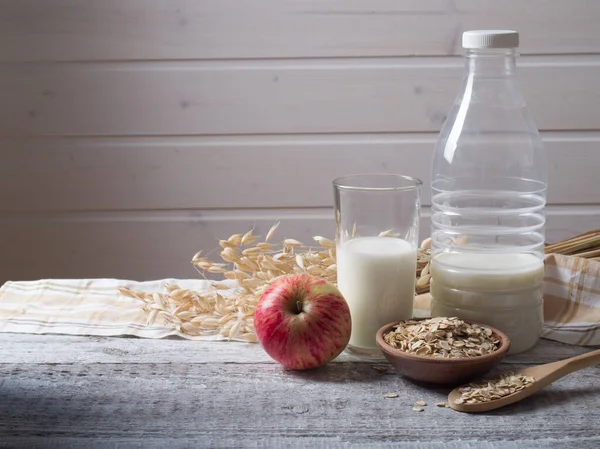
[437, 371]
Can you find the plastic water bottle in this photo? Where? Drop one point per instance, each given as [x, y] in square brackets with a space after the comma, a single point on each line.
[488, 198]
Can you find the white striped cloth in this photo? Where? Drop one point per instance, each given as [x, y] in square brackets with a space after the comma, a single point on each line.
[572, 300]
[85, 307]
[95, 306]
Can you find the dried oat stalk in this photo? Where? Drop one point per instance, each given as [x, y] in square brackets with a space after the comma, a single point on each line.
[249, 265]
[423, 275]
[442, 337]
[491, 389]
[200, 313]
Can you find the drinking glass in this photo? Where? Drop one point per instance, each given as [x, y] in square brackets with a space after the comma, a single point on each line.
[377, 218]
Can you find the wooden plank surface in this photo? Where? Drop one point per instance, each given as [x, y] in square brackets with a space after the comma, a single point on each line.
[241, 172]
[68, 30]
[160, 244]
[275, 97]
[68, 350]
[112, 392]
[169, 113]
[143, 246]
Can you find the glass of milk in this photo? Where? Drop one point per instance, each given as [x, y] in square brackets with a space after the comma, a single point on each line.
[377, 217]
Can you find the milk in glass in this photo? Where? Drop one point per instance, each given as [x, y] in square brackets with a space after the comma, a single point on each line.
[376, 275]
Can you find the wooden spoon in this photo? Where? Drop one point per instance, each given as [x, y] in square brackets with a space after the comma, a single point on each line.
[543, 374]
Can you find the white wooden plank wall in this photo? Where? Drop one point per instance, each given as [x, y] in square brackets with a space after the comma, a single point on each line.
[135, 132]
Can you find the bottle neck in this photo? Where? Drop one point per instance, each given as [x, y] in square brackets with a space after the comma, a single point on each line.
[491, 63]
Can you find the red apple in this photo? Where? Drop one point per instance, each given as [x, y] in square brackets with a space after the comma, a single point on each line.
[302, 321]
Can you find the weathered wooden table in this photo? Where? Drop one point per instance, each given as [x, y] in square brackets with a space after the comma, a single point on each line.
[88, 392]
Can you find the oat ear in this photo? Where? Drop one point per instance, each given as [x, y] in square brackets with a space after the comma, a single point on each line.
[228, 307]
[272, 231]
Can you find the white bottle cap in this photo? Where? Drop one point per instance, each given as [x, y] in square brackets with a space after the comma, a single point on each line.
[490, 39]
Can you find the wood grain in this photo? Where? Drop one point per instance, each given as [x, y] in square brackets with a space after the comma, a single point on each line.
[175, 122]
[198, 396]
[69, 30]
[146, 245]
[275, 97]
[241, 172]
[64, 349]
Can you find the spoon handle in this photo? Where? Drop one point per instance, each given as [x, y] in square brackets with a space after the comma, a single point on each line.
[579, 362]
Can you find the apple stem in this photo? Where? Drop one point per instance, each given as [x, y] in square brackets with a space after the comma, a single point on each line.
[299, 306]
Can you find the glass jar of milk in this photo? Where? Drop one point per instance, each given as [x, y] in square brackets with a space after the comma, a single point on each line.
[488, 198]
[377, 218]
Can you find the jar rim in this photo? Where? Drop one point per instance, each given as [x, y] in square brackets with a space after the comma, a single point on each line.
[377, 182]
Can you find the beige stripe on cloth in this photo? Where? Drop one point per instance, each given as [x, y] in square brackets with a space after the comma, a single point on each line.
[572, 300]
[85, 307]
[95, 306]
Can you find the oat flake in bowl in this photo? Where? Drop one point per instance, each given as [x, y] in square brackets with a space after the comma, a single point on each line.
[442, 337]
